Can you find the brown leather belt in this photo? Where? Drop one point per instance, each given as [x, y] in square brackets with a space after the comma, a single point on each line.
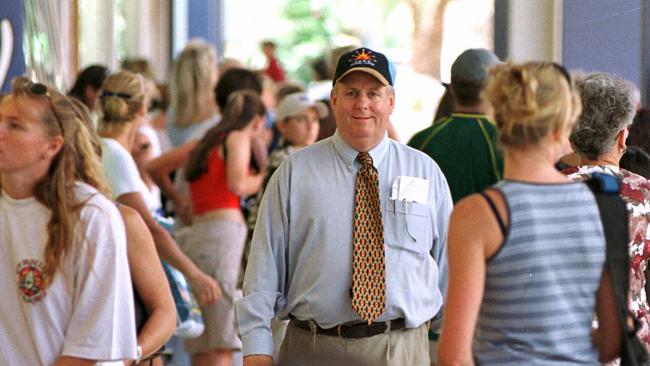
[361, 330]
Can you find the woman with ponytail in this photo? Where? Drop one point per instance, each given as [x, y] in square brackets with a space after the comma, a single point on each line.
[66, 283]
[218, 174]
[123, 107]
[526, 256]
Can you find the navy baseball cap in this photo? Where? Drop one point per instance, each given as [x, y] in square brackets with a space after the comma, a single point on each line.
[365, 60]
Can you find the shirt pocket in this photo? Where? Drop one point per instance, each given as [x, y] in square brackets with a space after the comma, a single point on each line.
[408, 226]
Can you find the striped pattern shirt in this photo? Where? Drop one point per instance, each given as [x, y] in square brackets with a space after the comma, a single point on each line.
[540, 288]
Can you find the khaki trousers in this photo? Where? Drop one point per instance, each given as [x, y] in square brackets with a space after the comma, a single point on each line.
[402, 347]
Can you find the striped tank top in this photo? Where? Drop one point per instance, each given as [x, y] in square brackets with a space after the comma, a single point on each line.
[540, 286]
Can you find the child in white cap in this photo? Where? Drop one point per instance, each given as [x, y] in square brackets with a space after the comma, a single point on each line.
[297, 119]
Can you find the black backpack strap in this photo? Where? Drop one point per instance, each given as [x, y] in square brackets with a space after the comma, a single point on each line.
[614, 216]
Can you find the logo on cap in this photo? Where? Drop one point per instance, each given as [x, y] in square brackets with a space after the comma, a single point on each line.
[363, 57]
[365, 60]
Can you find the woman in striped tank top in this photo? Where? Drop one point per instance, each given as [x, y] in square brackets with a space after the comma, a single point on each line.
[526, 257]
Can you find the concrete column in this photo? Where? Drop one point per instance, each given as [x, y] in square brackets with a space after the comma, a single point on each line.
[586, 35]
[528, 30]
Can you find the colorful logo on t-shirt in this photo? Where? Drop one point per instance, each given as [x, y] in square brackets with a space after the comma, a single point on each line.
[31, 280]
[363, 57]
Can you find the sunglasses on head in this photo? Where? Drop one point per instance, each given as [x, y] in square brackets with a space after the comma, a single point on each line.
[39, 90]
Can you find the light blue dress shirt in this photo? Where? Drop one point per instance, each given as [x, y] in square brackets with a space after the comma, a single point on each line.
[301, 256]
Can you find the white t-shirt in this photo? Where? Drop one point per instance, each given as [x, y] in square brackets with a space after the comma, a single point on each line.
[122, 173]
[87, 311]
[151, 134]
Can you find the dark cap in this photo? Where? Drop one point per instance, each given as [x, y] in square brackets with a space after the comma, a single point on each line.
[365, 60]
[473, 65]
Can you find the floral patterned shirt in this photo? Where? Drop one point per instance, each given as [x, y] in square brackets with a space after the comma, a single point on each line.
[635, 191]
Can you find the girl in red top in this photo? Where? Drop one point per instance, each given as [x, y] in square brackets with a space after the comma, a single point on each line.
[218, 172]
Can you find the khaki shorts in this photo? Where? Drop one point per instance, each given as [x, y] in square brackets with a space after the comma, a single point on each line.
[216, 247]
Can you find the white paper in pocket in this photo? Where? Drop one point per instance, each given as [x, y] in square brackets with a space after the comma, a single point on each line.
[410, 189]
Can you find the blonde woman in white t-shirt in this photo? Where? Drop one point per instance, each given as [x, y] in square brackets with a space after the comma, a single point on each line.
[63, 263]
[123, 107]
[155, 312]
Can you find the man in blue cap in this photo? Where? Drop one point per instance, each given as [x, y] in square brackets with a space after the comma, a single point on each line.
[465, 144]
[350, 239]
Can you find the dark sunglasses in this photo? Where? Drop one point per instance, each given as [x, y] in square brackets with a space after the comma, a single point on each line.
[39, 90]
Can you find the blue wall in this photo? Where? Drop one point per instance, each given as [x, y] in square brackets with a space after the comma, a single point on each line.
[13, 10]
[205, 20]
[605, 35]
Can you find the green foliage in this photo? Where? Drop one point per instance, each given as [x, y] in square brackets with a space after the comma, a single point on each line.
[312, 30]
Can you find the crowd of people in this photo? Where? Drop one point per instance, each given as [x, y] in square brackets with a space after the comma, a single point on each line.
[308, 234]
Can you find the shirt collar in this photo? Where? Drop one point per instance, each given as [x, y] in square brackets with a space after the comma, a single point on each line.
[473, 115]
[349, 154]
[609, 169]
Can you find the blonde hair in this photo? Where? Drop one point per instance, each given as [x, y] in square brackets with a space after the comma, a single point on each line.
[76, 161]
[122, 98]
[530, 100]
[191, 80]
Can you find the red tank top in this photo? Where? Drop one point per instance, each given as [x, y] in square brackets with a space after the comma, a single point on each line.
[210, 191]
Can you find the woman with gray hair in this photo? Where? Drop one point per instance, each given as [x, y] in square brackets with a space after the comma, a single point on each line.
[599, 140]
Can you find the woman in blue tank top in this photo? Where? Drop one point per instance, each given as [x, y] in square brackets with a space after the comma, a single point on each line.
[526, 257]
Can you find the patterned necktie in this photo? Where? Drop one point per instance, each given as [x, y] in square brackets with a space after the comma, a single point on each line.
[368, 264]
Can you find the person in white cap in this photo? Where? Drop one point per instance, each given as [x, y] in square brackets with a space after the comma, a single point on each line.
[350, 239]
[297, 119]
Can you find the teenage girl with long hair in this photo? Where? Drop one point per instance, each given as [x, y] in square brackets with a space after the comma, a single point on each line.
[123, 107]
[63, 263]
[193, 78]
[156, 312]
[219, 174]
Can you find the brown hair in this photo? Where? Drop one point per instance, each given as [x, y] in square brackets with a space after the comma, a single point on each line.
[76, 161]
[240, 110]
[530, 100]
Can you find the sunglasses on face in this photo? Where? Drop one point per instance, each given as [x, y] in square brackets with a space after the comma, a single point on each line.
[39, 90]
